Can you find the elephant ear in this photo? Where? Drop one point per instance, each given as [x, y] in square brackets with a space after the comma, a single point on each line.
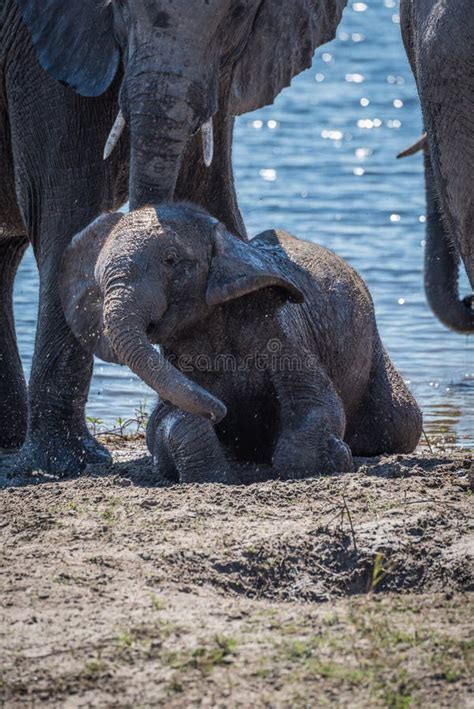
[79, 289]
[74, 41]
[238, 268]
[283, 40]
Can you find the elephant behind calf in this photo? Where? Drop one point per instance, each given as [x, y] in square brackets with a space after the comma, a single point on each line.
[271, 349]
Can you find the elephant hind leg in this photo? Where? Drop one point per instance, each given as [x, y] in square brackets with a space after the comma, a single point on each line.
[13, 398]
[388, 419]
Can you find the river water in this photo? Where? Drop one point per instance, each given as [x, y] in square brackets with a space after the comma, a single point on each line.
[321, 164]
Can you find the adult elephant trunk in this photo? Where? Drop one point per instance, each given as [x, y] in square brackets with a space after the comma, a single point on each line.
[162, 115]
[125, 329]
[442, 267]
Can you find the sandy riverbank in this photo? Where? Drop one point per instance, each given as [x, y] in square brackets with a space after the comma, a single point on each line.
[352, 590]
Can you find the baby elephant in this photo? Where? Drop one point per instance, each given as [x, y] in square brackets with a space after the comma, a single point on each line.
[271, 350]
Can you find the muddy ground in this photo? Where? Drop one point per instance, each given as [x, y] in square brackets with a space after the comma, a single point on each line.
[353, 590]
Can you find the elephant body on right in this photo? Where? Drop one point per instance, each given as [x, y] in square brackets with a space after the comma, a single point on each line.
[439, 40]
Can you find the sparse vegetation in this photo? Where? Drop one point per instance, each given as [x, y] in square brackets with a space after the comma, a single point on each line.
[136, 425]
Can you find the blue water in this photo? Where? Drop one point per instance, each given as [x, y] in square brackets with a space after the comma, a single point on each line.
[321, 164]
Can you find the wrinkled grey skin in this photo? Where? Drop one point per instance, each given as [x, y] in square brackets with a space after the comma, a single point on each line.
[66, 66]
[277, 340]
[438, 37]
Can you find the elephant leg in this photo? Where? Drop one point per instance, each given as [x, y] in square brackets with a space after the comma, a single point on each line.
[388, 419]
[61, 184]
[185, 448]
[56, 441]
[312, 424]
[13, 397]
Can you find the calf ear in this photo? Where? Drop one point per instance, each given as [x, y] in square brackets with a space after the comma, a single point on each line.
[78, 287]
[74, 41]
[238, 268]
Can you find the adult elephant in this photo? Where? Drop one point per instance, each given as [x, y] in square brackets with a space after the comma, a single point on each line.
[439, 40]
[168, 69]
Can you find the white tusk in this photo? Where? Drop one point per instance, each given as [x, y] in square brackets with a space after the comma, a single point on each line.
[114, 135]
[207, 132]
[421, 144]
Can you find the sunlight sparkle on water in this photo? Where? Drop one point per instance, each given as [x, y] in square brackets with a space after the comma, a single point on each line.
[362, 153]
[268, 174]
[355, 78]
[368, 123]
[332, 134]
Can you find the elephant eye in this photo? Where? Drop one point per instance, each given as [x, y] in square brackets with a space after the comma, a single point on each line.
[170, 258]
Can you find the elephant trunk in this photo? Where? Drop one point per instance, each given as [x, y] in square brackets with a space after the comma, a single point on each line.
[442, 267]
[162, 115]
[125, 329]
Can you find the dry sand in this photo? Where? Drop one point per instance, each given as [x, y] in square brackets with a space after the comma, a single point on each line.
[353, 590]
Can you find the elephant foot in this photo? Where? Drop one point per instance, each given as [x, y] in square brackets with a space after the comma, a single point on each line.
[12, 428]
[168, 474]
[224, 476]
[329, 456]
[12, 442]
[56, 455]
[96, 453]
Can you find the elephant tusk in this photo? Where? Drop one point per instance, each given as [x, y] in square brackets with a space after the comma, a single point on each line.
[114, 135]
[207, 133]
[421, 144]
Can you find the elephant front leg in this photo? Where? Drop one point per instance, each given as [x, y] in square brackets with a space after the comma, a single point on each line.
[57, 441]
[13, 397]
[185, 448]
[312, 425]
